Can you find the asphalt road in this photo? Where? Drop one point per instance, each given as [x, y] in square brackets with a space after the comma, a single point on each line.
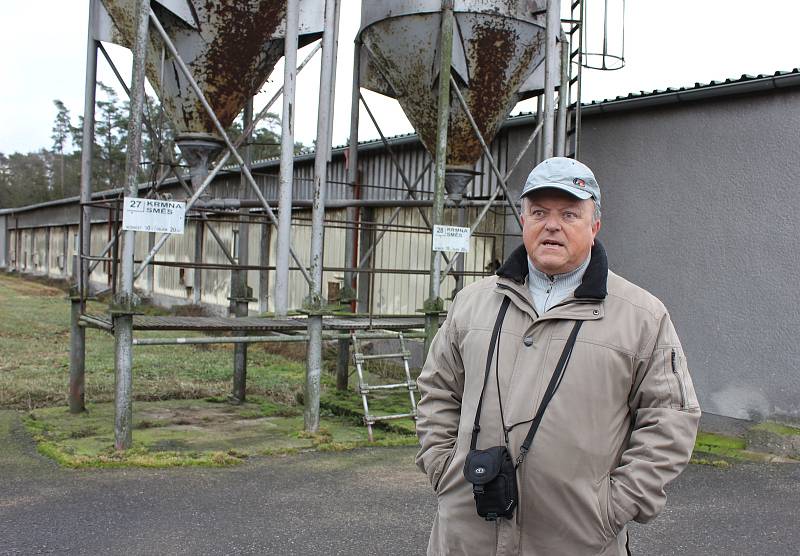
[363, 502]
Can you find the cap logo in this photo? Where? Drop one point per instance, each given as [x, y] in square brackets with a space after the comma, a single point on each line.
[579, 182]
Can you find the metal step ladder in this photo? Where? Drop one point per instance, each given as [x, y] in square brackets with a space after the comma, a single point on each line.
[365, 389]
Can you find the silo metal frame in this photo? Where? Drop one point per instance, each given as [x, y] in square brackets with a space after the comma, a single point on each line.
[125, 300]
[353, 267]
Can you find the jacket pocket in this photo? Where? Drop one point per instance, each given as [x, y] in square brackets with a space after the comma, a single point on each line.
[606, 508]
[437, 486]
[678, 377]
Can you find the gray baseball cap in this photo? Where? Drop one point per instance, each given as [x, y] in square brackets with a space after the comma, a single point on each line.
[565, 174]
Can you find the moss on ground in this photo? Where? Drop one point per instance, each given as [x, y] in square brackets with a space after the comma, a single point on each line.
[712, 449]
[192, 432]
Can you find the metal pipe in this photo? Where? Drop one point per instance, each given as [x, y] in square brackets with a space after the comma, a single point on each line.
[563, 94]
[218, 266]
[550, 64]
[77, 352]
[351, 233]
[263, 275]
[287, 159]
[434, 303]
[315, 301]
[578, 107]
[240, 297]
[201, 340]
[125, 300]
[221, 163]
[350, 253]
[224, 205]
[539, 120]
[197, 276]
[412, 192]
[118, 75]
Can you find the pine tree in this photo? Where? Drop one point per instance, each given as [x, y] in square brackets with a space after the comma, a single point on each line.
[62, 128]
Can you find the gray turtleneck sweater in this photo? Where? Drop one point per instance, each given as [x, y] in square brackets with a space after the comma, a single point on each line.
[548, 291]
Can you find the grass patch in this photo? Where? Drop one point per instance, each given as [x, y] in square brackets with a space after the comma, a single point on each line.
[711, 449]
[34, 358]
[721, 445]
[349, 404]
[776, 428]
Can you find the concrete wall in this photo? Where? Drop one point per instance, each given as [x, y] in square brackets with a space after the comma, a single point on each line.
[701, 206]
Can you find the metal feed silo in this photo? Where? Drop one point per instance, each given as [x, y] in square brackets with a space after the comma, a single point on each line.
[497, 47]
[230, 47]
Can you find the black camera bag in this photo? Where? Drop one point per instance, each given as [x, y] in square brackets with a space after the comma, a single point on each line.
[493, 472]
[494, 482]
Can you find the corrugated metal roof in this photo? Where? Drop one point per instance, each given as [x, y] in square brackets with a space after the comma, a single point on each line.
[745, 78]
[741, 85]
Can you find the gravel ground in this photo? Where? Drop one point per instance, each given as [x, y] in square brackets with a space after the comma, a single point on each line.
[364, 502]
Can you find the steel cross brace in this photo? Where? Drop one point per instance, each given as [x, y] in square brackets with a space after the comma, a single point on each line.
[411, 189]
[500, 178]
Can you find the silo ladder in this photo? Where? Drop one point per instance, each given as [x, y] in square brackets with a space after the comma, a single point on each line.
[364, 389]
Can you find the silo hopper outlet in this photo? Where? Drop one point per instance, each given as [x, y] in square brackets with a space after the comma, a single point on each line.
[456, 181]
[497, 48]
[230, 47]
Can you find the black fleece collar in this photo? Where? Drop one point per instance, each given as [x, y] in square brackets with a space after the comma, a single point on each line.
[593, 285]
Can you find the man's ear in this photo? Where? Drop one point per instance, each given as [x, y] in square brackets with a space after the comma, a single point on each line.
[595, 229]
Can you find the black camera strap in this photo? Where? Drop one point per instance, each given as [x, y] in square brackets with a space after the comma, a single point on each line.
[552, 387]
[498, 323]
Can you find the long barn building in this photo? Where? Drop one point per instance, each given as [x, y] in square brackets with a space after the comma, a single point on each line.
[700, 206]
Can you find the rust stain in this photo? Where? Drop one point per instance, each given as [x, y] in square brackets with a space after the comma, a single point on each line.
[241, 54]
[499, 60]
[230, 54]
[500, 53]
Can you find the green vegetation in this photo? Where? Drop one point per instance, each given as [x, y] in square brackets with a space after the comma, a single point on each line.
[34, 360]
[720, 445]
[716, 449]
[776, 428]
[181, 414]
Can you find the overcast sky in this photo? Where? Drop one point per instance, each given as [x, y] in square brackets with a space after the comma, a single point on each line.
[667, 43]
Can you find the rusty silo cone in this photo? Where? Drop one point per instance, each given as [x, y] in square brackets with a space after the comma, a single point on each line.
[497, 46]
[230, 47]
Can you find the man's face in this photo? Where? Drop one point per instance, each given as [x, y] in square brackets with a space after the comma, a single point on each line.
[558, 230]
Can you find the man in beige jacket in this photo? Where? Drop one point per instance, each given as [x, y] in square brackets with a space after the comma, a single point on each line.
[622, 422]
